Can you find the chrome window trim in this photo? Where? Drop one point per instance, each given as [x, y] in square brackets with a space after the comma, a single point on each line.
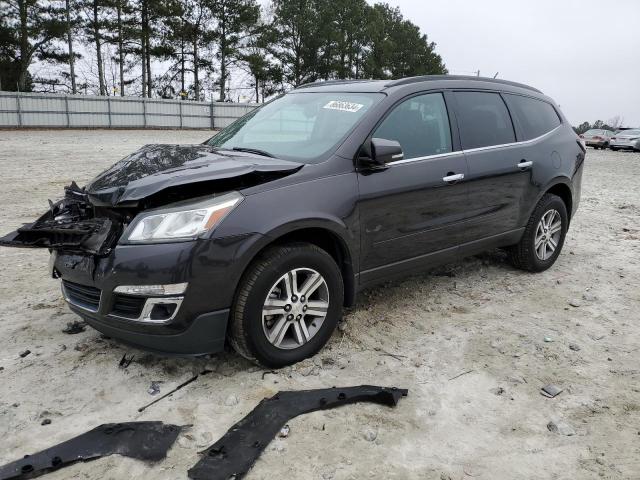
[472, 150]
[426, 157]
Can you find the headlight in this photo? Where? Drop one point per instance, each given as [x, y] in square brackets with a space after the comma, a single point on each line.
[181, 222]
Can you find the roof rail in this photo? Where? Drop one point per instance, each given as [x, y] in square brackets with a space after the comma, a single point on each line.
[426, 78]
[320, 83]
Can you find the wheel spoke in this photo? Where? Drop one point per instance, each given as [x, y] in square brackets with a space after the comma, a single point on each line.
[542, 250]
[291, 283]
[298, 333]
[278, 331]
[317, 308]
[274, 306]
[556, 227]
[552, 245]
[304, 330]
[311, 284]
[539, 241]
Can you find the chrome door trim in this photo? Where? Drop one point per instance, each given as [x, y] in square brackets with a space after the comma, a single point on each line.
[471, 150]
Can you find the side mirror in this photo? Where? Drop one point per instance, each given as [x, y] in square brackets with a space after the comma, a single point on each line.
[379, 151]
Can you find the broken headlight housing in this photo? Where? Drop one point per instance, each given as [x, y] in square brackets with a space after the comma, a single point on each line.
[183, 221]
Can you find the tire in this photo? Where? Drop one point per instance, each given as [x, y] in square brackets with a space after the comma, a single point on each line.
[614, 149]
[268, 280]
[524, 255]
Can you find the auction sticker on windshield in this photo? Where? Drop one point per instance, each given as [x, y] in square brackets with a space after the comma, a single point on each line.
[343, 106]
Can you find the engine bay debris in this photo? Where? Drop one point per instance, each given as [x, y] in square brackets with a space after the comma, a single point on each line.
[233, 455]
[148, 441]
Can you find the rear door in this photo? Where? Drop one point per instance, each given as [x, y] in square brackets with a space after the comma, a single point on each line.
[499, 173]
[540, 143]
[414, 206]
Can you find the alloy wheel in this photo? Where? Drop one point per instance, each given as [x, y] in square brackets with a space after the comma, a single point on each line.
[548, 234]
[295, 308]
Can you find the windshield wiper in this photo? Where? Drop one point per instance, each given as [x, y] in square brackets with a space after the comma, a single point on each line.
[253, 150]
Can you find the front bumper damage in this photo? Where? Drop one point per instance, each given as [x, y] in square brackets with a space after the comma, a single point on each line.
[70, 224]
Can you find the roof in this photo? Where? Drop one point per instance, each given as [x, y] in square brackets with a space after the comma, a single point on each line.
[381, 85]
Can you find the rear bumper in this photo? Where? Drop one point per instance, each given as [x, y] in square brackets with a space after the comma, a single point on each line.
[206, 334]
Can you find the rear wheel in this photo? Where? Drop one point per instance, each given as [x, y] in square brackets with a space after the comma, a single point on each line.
[543, 237]
[614, 149]
[287, 305]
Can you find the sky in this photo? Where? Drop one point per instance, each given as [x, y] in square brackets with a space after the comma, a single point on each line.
[585, 54]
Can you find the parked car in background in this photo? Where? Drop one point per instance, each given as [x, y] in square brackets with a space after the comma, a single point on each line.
[263, 234]
[597, 138]
[626, 140]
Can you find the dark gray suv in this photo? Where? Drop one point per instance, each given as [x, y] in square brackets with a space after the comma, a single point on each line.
[263, 234]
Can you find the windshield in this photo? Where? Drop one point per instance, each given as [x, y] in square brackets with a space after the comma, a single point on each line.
[629, 132]
[595, 132]
[298, 126]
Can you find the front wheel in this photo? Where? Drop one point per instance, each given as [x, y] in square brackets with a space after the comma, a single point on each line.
[543, 236]
[287, 305]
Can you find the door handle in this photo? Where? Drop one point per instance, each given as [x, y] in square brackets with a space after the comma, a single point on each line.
[524, 164]
[453, 178]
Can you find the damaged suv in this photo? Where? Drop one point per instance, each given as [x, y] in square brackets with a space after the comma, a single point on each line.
[262, 234]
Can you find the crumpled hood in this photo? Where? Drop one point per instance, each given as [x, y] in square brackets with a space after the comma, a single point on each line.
[154, 168]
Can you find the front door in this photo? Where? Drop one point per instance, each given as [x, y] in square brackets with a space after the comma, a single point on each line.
[412, 208]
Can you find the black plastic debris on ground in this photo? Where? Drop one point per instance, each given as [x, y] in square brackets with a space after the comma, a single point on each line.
[235, 453]
[74, 328]
[126, 361]
[148, 441]
[25, 353]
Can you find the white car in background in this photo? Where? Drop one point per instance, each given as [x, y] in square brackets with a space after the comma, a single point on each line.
[626, 139]
[597, 138]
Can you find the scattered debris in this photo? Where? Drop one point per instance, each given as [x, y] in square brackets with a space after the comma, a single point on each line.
[575, 303]
[574, 347]
[562, 428]
[171, 392]
[460, 374]
[154, 388]
[126, 361]
[233, 455]
[284, 432]
[75, 327]
[25, 353]
[142, 440]
[551, 390]
[548, 339]
[370, 435]
[273, 372]
[46, 421]
[499, 391]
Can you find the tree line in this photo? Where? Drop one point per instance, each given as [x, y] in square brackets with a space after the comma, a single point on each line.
[613, 124]
[191, 48]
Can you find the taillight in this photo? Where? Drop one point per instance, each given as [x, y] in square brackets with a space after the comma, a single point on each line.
[613, 138]
[581, 136]
[597, 138]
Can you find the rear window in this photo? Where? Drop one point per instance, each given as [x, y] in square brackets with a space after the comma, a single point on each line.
[535, 117]
[483, 119]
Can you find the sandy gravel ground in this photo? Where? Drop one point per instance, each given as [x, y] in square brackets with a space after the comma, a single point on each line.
[480, 318]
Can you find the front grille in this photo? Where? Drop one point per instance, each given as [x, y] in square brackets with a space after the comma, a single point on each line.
[82, 295]
[127, 306]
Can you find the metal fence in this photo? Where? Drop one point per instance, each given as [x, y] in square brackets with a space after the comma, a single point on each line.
[29, 110]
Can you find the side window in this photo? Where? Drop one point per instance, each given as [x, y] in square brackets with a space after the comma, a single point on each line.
[535, 117]
[420, 125]
[483, 119]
